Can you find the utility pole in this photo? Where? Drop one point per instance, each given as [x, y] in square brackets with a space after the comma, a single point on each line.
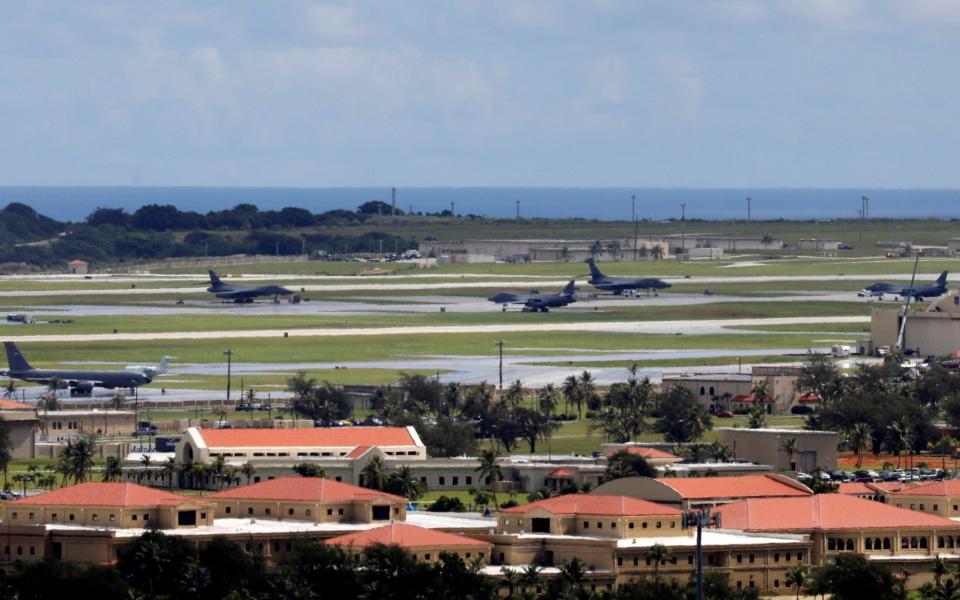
[748, 209]
[500, 344]
[700, 518]
[683, 230]
[452, 212]
[518, 209]
[633, 206]
[229, 355]
[393, 194]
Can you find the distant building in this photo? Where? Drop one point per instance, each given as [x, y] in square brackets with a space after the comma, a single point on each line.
[726, 242]
[21, 422]
[689, 492]
[732, 391]
[906, 541]
[818, 245]
[78, 267]
[765, 446]
[425, 545]
[934, 331]
[525, 250]
[60, 425]
[614, 533]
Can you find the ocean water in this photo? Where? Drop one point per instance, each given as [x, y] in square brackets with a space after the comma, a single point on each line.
[75, 203]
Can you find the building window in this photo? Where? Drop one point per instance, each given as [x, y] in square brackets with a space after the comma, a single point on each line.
[750, 558]
[442, 480]
[644, 525]
[426, 557]
[776, 557]
[53, 517]
[249, 510]
[329, 512]
[456, 480]
[739, 558]
[94, 517]
[13, 516]
[586, 525]
[113, 518]
[71, 517]
[599, 524]
[227, 510]
[936, 507]
[290, 512]
[203, 515]
[636, 561]
[619, 561]
[340, 512]
[307, 512]
[659, 524]
[469, 480]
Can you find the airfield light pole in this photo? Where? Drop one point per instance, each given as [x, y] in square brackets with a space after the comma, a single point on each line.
[500, 344]
[636, 225]
[518, 209]
[229, 355]
[700, 518]
[748, 209]
[683, 230]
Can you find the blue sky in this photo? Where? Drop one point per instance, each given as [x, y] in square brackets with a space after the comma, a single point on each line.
[676, 93]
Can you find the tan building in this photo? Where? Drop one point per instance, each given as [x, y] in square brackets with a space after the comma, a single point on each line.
[61, 425]
[729, 243]
[733, 391]
[425, 545]
[713, 391]
[78, 267]
[314, 499]
[904, 540]
[21, 422]
[932, 331]
[613, 534]
[465, 251]
[766, 446]
[203, 445]
[51, 524]
[935, 497]
[691, 492]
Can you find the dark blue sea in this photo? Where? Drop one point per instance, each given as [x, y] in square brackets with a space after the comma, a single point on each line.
[75, 203]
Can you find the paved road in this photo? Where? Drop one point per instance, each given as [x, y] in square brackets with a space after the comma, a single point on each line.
[704, 326]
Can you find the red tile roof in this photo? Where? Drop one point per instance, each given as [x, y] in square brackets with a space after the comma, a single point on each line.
[645, 452]
[589, 504]
[404, 535]
[304, 489]
[745, 486]
[949, 487]
[823, 512]
[319, 437]
[562, 473]
[358, 451]
[11, 405]
[855, 488]
[809, 397]
[105, 494]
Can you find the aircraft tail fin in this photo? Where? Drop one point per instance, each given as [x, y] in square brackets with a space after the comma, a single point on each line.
[594, 271]
[215, 281]
[942, 280]
[15, 359]
[162, 368]
[570, 288]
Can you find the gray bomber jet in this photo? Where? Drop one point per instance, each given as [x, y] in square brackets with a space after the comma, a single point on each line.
[934, 290]
[618, 285]
[79, 382]
[535, 301]
[242, 295]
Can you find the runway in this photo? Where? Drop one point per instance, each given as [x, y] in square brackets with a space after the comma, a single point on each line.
[704, 326]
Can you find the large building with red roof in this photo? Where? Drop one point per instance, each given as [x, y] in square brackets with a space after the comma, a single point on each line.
[205, 445]
[313, 499]
[687, 492]
[837, 523]
[423, 544]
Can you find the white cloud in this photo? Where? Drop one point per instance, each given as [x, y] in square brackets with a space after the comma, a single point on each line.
[335, 23]
[687, 83]
[825, 13]
[741, 10]
[530, 14]
[608, 79]
[927, 11]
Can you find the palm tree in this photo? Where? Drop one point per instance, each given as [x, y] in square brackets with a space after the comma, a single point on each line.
[939, 570]
[565, 254]
[170, 467]
[218, 469]
[547, 399]
[657, 554]
[489, 470]
[719, 451]
[587, 391]
[248, 470]
[757, 418]
[373, 474]
[642, 252]
[615, 250]
[797, 577]
[531, 578]
[899, 437]
[656, 253]
[199, 473]
[572, 573]
[761, 392]
[570, 391]
[596, 248]
[112, 470]
[509, 580]
[118, 400]
[790, 447]
[403, 482]
[858, 438]
[766, 240]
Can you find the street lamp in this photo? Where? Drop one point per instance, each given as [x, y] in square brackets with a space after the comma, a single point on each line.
[500, 344]
[229, 355]
[700, 518]
[683, 230]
